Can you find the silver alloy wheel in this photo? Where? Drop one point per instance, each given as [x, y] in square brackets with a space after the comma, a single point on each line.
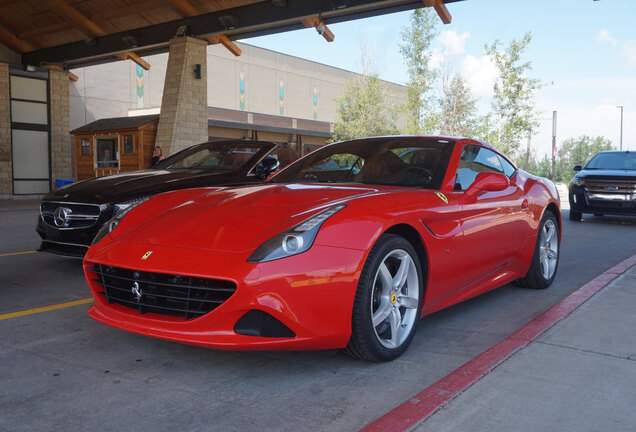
[548, 249]
[395, 299]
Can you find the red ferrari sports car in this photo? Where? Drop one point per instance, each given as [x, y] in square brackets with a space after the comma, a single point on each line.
[345, 248]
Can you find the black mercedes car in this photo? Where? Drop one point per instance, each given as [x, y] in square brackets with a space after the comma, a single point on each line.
[606, 185]
[71, 216]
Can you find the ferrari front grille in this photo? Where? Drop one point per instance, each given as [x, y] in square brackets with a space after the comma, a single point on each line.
[165, 294]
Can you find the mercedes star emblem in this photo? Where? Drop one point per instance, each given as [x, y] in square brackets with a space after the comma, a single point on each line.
[61, 216]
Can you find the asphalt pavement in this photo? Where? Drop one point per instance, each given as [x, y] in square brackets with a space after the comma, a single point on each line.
[570, 368]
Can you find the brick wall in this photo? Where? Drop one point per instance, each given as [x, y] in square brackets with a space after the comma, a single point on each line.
[61, 147]
[184, 119]
[5, 132]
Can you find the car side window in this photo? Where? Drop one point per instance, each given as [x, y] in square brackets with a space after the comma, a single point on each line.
[475, 160]
[340, 162]
[508, 168]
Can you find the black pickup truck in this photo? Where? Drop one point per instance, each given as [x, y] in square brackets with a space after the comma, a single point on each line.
[606, 185]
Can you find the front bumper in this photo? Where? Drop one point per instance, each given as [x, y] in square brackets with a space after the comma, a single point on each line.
[71, 241]
[584, 202]
[310, 294]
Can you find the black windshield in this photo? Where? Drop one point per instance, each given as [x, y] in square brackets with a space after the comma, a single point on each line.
[613, 161]
[399, 161]
[218, 156]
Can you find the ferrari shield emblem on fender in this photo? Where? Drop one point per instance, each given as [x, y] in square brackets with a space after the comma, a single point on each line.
[146, 255]
[442, 197]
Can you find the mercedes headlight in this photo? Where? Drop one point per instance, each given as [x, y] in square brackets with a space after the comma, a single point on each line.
[125, 205]
[121, 210]
[295, 240]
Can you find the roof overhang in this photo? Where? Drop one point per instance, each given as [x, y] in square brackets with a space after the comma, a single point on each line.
[250, 20]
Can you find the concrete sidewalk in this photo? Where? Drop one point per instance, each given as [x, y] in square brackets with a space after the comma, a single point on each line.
[580, 375]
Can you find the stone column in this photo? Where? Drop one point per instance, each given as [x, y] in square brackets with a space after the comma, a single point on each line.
[61, 145]
[6, 174]
[184, 120]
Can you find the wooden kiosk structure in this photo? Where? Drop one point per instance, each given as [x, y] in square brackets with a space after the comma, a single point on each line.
[114, 145]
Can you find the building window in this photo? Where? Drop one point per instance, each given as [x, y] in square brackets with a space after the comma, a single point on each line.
[107, 155]
[30, 141]
[86, 146]
[129, 147]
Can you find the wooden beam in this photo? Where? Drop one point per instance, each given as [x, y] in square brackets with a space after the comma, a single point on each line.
[227, 43]
[76, 17]
[440, 8]
[71, 75]
[118, 12]
[90, 28]
[315, 22]
[41, 30]
[187, 9]
[183, 8]
[134, 57]
[14, 43]
[96, 18]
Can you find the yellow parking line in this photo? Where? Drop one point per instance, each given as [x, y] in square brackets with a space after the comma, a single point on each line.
[45, 308]
[17, 253]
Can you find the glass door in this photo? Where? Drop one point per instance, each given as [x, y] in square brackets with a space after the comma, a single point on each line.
[30, 135]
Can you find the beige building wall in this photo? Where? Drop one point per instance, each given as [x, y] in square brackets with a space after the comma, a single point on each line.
[110, 90]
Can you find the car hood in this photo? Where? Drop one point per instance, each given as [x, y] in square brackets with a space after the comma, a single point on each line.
[233, 219]
[590, 173]
[135, 184]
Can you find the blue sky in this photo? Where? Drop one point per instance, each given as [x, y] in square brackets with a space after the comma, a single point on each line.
[585, 48]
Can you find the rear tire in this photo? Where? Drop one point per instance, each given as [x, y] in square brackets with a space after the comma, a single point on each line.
[545, 260]
[388, 301]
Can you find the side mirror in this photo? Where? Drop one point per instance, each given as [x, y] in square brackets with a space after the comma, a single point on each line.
[267, 166]
[488, 182]
[577, 168]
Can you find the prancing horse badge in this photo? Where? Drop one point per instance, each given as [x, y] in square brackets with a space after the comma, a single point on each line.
[442, 197]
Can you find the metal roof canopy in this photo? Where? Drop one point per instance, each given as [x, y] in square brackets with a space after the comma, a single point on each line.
[250, 20]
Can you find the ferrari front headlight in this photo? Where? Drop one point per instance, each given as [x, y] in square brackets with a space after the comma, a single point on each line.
[295, 240]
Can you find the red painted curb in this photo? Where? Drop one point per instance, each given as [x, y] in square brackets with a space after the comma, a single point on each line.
[419, 407]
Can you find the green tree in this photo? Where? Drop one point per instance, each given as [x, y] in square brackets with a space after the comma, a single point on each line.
[363, 110]
[540, 167]
[457, 115]
[513, 101]
[577, 151]
[486, 129]
[417, 42]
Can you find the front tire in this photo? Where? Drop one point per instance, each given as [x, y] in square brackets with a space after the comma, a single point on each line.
[575, 215]
[545, 260]
[388, 301]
